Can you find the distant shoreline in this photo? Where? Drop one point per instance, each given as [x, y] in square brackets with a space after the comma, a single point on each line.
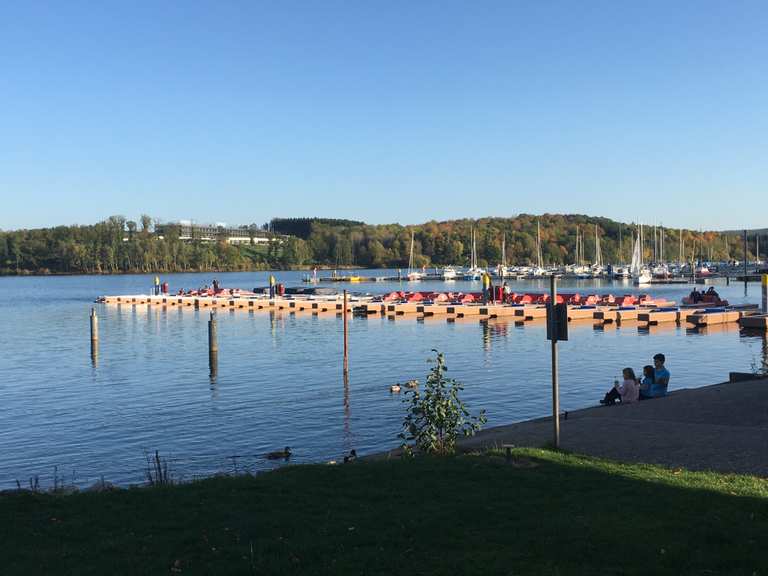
[303, 268]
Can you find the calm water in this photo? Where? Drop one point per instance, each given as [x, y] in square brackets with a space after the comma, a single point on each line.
[279, 381]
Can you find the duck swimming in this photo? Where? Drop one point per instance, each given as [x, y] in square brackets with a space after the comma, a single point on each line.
[279, 454]
[412, 384]
[394, 388]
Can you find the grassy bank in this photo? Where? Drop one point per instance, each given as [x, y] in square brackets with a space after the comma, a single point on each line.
[545, 513]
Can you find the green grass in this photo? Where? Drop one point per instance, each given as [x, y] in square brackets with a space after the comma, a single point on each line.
[546, 513]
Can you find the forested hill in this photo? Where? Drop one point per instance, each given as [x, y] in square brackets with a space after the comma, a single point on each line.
[117, 245]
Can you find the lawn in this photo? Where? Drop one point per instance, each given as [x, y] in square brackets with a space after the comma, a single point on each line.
[543, 513]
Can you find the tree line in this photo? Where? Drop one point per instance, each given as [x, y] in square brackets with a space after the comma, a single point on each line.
[118, 245]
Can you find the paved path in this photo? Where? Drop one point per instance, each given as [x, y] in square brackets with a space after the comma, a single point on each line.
[723, 427]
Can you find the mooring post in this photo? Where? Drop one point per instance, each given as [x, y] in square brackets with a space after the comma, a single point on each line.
[346, 335]
[94, 337]
[765, 293]
[213, 346]
[94, 326]
[555, 377]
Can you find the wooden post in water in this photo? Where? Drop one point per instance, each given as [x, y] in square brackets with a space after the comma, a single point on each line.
[765, 293]
[94, 337]
[555, 368]
[346, 335]
[94, 326]
[213, 346]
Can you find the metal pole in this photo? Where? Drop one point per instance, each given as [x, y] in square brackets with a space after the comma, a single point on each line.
[745, 262]
[346, 335]
[555, 377]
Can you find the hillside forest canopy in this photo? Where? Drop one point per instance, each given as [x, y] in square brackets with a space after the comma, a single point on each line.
[118, 245]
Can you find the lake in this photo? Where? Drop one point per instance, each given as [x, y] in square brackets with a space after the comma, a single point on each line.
[279, 378]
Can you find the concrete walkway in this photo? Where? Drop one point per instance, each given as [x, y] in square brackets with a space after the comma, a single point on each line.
[723, 427]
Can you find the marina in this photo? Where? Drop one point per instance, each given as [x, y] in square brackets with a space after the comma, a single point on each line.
[279, 378]
[524, 307]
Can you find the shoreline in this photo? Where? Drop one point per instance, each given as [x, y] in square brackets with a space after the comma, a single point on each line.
[721, 427]
[26, 274]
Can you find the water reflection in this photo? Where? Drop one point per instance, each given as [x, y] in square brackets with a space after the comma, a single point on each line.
[213, 365]
[760, 363]
[655, 329]
[492, 330]
[347, 412]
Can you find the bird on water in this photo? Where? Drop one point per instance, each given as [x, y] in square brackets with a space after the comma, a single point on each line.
[283, 454]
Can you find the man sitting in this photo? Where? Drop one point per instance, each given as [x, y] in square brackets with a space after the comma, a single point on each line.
[661, 376]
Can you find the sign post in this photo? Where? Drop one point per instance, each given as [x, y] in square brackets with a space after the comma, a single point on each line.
[557, 329]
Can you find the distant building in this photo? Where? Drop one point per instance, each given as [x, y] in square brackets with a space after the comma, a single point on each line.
[189, 232]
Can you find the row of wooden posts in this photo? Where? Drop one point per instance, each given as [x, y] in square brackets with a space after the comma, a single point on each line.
[213, 341]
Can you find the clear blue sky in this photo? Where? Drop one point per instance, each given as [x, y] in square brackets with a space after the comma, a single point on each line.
[384, 111]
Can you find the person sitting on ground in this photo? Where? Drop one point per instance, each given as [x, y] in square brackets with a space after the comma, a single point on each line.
[661, 375]
[626, 391]
[646, 382]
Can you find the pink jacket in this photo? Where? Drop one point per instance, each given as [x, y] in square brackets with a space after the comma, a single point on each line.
[630, 391]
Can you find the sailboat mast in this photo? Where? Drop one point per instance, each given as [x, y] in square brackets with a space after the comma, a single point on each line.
[504, 249]
[757, 248]
[661, 243]
[620, 251]
[538, 242]
[410, 258]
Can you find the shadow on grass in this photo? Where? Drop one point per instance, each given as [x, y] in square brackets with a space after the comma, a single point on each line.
[563, 514]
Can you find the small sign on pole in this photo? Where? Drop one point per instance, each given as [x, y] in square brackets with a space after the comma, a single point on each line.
[557, 329]
[557, 321]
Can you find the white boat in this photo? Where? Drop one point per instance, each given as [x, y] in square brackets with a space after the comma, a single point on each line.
[621, 272]
[640, 273]
[413, 275]
[660, 271]
[449, 273]
[474, 272]
[644, 277]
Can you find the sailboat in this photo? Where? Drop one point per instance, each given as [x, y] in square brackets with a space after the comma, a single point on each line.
[640, 274]
[660, 268]
[474, 272]
[413, 275]
[597, 268]
[501, 270]
[579, 270]
[539, 270]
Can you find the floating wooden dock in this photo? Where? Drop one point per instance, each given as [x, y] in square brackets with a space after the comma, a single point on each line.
[745, 315]
[236, 303]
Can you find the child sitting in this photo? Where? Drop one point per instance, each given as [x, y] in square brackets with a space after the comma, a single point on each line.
[628, 391]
